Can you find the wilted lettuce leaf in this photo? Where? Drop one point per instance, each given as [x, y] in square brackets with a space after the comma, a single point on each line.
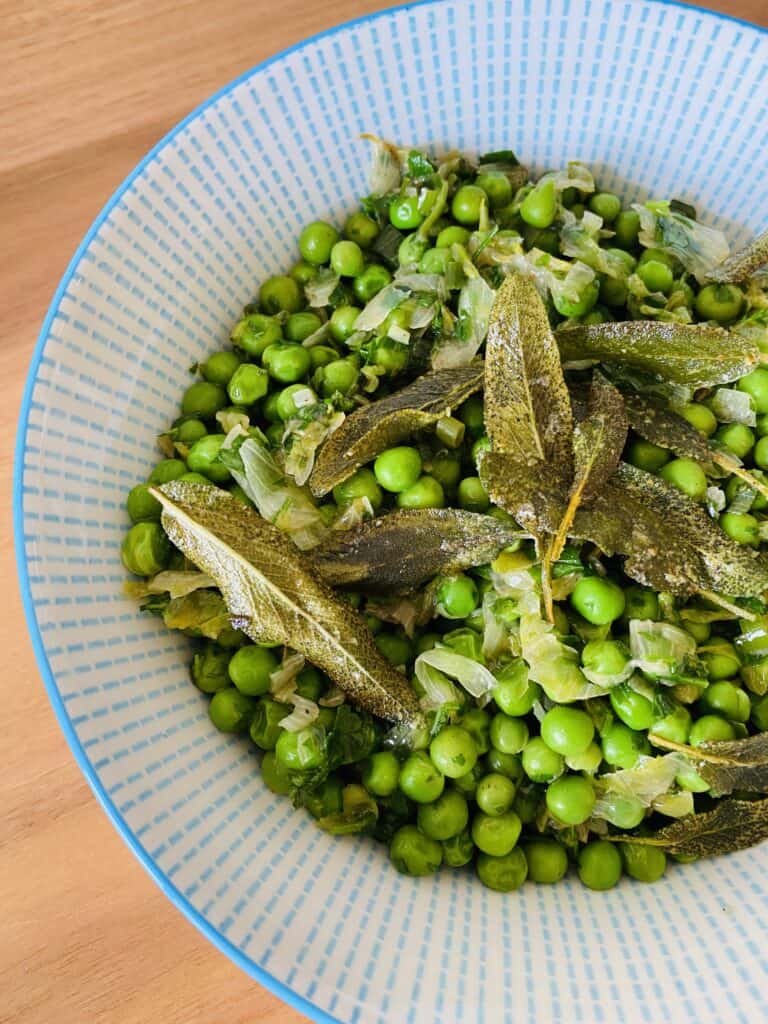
[527, 409]
[200, 613]
[693, 354]
[742, 264]
[732, 825]
[695, 245]
[368, 431]
[398, 552]
[272, 594]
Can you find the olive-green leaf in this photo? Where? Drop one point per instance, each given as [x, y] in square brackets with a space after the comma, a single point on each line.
[527, 408]
[693, 354]
[656, 422]
[535, 500]
[730, 764]
[274, 596]
[732, 568]
[743, 263]
[368, 431]
[732, 825]
[398, 552]
[598, 441]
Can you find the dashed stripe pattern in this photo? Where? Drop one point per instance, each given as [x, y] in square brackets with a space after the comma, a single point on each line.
[662, 100]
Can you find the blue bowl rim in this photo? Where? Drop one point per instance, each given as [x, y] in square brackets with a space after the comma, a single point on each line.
[180, 901]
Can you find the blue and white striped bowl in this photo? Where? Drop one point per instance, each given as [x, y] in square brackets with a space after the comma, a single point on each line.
[660, 99]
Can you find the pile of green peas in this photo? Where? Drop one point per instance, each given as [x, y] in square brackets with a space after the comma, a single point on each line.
[499, 787]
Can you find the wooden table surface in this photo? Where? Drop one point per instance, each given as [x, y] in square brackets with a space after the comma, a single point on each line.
[86, 87]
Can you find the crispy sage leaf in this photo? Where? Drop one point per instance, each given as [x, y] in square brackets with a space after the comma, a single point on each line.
[598, 440]
[529, 495]
[742, 264]
[729, 764]
[398, 552]
[527, 409]
[732, 825]
[274, 596]
[732, 568]
[694, 354]
[368, 431]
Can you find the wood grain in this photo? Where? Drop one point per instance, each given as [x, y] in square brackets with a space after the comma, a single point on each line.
[87, 86]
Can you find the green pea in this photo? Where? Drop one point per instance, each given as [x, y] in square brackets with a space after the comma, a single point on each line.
[456, 597]
[425, 493]
[600, 601]
[605, 657]
[741, 527]
[700, 417]
[281, 294]
[230, 710]
[656, 276]
[612, 292]
[722, 303]
[420, 778]
[452, 235]
[599, 865]
[445, 818]
[209, 669]
[445, 468]
[495, 793]
[299, 326]
[496, 186]
[514, 693]
[581, 306]
[219, 367]
[391, 355]
[467, 203]
[674, 726]
[509, 735]
[541, 763]
[528, 803]
[472, 496]
[658, 256]
[250, 669]
[395, 647]
[339, 377]
[248, 384]
[689, 779]
[316, 242]
[641, 604]
[265, 726]
[687, 476]
[404, 213]
[721, 660]
[643, 863]
[737, 438]
[727, 699]
[503, 874]
[571, 799]
[567, 731]
[588, 761]
[622, 746]
[287, 362]
[254, 333]
[709, 729]
[303, 272]
[146, 549]
[453, 751]
[397, 469]
[759, 714]
[605, 205]
[293, 399]
[496, 835]
[362, 229]
[413, 853]
[622, 810]
[370, 282]
[547, 861]
[499, 763]
[626, 229]
[203, 458]
[760, 454]
[326, 799]
[546, 239]
[539, 208]
[631, 707]
[187, 431]
[362, 484]
[458, 850]
[321, 355]
[762, 425]
[411, 250]
[274, 432]
[303, 750]
[342, 323]
[477, 722]
[381, 773]
[434, 261]
[347, 259]
[275, 775]
[203, 399]
[141, 506]
[646, 455]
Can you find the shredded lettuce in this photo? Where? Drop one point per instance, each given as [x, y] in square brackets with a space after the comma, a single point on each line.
[319, 290]
[659, 648]
[304, 713]
[304, 435]
[175, 582]
[200, 613]
[732, 406]
[375, 312]
[565, 282]
[696, 246]
[473, 677]
[649, 780]
[580, 238]
[574, 175]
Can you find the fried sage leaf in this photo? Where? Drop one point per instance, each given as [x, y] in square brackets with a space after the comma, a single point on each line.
[693, 354]
[368, 431]
[732, 825]
[527, 409]
[398, 552]
[653, 420]
[729, 764]
[527, 492]
[598, 441]
[742, 264]
[274, 596]
[732, 568]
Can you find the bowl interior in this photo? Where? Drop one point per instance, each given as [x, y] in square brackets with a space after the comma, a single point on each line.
[661, 100]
